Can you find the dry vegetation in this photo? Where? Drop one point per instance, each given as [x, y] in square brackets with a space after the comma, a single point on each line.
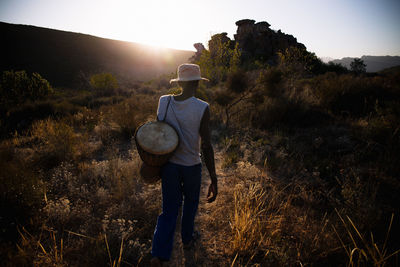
[70, 189]
[308, 171]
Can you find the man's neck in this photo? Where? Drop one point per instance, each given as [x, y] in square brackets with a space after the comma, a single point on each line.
[185, 95]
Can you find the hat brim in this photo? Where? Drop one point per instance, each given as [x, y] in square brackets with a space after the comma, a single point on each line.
[187, 80]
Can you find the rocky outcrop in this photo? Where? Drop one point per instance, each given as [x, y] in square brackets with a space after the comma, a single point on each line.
[257, 40]
[199, 49]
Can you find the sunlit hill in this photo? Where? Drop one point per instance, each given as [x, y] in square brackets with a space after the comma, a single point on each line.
[65, 58]
[306, 152]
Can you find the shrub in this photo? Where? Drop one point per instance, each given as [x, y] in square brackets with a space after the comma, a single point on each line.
[356, 96]
[56, 141]
[283, 112]
[335, 67]
[21, 117]
[17, 87]
[21, 191]
[132, 112]
[270, 80]
[232, 152]
[237, 82]
[104, 84]
[296, 60]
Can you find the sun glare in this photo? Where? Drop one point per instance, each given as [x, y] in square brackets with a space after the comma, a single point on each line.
[154, 23]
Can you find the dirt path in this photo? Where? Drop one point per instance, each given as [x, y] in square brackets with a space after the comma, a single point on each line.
[200, 254]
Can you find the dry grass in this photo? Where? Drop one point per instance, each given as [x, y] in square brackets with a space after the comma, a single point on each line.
[90, 208]
[45, 249]
[87, 196]
[361, 250]
[247, 222]
[292, 222]
[269, 228]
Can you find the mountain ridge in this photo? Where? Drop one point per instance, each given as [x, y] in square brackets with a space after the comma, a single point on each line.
[374, 63]
[63, 57]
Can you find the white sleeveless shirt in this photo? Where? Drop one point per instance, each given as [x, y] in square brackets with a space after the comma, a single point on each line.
[185, 116]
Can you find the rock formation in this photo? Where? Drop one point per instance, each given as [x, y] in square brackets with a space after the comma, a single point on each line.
[255, 41]
[199, 49]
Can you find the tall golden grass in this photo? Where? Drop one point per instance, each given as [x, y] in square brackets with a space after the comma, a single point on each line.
[362, 250]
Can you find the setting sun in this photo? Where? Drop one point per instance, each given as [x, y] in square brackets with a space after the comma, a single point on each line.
[155, 23]
[330, 28]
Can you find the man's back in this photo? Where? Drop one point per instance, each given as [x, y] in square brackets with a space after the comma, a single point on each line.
[185, 116]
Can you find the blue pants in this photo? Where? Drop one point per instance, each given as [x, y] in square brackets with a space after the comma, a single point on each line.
[178, 182]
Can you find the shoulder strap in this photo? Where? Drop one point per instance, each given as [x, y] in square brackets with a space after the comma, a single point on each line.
[166, 110]
[176, 118]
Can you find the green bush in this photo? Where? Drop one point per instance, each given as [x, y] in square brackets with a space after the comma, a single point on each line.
[222, 58]
[104, 84]
[17, 87]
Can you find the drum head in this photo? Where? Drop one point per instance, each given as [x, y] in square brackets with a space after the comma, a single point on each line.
[157, 137]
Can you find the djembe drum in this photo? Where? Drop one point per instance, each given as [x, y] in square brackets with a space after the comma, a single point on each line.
[156, 141]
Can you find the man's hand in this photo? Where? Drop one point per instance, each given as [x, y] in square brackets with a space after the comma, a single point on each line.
[212, 192]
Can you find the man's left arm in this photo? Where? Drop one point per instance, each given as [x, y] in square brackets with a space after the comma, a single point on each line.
[208, 153]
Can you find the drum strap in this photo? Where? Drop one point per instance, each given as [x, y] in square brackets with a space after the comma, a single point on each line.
[179, 125]
[166, 110]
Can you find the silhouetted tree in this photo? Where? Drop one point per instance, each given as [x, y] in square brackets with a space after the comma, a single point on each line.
[358, 66]
[335, 67]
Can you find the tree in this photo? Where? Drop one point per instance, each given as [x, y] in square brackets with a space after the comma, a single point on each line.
[17, 87]
[299, 60]
[104, 84]
[358, 66]
[222, 58]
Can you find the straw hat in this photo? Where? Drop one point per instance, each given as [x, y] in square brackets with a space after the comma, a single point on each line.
[188, 72]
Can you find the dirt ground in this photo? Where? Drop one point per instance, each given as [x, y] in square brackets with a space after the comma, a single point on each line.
[207, 250]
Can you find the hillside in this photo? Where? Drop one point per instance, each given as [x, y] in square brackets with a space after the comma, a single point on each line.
[63, 57]
[306, 157]
[374, 63]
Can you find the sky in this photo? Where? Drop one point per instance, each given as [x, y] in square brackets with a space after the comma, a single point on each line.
[329, 28]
